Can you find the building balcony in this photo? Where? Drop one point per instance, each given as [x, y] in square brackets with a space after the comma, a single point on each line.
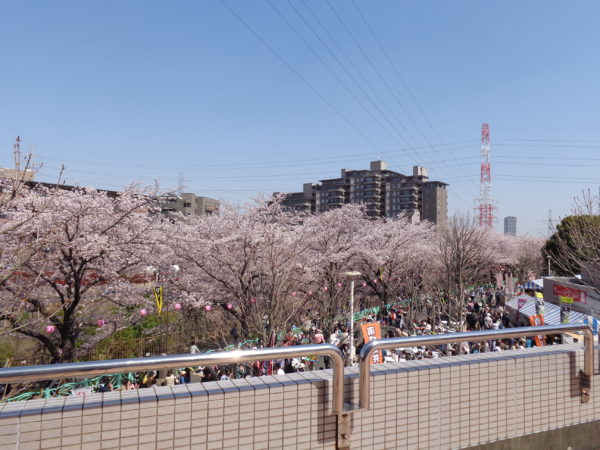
[334, 189]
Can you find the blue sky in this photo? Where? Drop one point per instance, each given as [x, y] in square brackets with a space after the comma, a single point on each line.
[137, 90]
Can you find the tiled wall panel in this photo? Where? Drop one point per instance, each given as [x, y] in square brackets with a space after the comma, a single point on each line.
[443, 403]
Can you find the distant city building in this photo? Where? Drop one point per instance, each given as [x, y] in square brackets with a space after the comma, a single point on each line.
[510, 225]
[13, 174]
[189, 204]
[301, 201]
[384, 193]
[186, 203]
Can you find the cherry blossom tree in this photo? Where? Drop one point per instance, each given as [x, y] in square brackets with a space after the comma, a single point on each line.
[95, 247]
[335, 244]
[252, 263]
[395, 259]
[523, 254]
[465, 253]
[14, 203]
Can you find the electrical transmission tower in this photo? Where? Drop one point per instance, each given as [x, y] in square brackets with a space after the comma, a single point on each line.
[487, 207]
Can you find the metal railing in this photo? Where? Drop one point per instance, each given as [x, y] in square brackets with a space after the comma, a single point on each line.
[53, 371]
[476, 336]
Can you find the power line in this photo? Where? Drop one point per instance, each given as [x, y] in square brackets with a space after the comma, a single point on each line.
[386, 84]
[335, 75]
[278, 175]
[400, 77]
[299, 75]
[350, 157]
[397, 72]
[340, 49]
[328, 49]
[368, 59]
[595, 147]
[231, 167]
[548, 140]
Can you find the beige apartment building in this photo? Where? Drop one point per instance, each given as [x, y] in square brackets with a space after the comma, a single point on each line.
[189, 204]
[384, 192]
[186, 203]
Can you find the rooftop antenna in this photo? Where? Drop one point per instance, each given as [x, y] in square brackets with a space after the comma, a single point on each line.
[181, 186]
[17, 153]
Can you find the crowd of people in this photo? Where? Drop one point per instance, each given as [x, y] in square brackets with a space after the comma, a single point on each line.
[485, 310]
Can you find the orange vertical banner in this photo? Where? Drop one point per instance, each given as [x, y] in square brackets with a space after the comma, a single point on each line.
[535, 321]
[370, 332]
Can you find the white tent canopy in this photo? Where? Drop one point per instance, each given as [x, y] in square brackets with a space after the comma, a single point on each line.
[536, 285]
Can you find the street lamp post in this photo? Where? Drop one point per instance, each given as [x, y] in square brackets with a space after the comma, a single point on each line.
[352, 276]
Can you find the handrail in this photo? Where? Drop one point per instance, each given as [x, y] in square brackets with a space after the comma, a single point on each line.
[474, 336]
[40, 373]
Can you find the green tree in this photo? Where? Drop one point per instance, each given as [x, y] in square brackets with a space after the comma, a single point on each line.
[575, 247]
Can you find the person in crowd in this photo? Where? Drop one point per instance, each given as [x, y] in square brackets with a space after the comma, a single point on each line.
[193, 348]
[170, 378]
[278, 370]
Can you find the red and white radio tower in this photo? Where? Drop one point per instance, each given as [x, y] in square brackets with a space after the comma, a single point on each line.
[486, 206]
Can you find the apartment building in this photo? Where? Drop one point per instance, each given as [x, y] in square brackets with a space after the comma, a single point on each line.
[302, 201]
[13, 174]
[189, 204]
[384, 192]
[186, 203]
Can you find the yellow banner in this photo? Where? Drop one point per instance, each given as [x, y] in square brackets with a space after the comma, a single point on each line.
[158, 296]
[566, 299]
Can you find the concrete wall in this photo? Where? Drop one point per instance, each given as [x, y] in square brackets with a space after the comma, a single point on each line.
[443, 403]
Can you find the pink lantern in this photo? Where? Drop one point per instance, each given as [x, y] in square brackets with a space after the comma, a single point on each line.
[207, 308]
[50, 329]
[325, 288]
[143, 312]
[229, 306]
[100, 323]
[309, 292]
[375, 281]
[364, 284]
[339, 285]
[253, 300]
[177, 306]
[293, 294]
